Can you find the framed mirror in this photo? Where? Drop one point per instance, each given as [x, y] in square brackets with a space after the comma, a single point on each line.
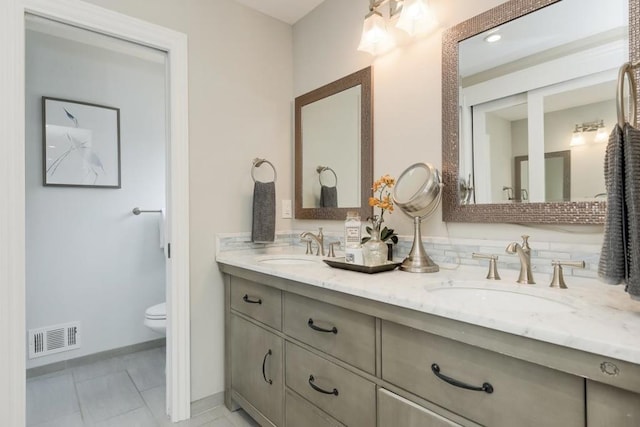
[510, 107]
[334, 149]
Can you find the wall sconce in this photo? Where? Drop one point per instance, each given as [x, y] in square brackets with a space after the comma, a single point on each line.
[416, 18]
[597, 126]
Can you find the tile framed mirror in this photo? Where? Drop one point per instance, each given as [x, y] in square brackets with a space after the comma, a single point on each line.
[544, 87]
[334, 148]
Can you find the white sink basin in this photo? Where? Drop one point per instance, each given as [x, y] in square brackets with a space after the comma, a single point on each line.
[289, 259]
[497, 299]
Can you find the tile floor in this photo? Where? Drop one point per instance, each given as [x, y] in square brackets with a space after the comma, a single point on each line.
[124, 391]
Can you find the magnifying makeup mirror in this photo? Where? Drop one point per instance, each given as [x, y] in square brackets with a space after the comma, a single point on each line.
[418, 192]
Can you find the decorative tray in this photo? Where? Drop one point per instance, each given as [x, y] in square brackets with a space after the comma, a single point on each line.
[340, 263]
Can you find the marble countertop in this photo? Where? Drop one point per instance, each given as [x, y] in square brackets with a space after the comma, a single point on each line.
[589, 316]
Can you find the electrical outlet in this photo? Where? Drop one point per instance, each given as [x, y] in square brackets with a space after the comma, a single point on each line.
[286, 209]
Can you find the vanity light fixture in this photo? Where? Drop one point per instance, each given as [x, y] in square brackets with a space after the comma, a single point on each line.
[577, 138]
[601, 135]
[492, 38]
[596, 126]
[375, 39]
[416, 17]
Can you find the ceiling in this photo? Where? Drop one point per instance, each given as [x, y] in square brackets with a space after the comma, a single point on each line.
[289, 11]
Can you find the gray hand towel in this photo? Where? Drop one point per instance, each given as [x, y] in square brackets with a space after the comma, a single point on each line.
[631, 143]
[620, 256]
[328, 197]
[264, 212]
[612, 266]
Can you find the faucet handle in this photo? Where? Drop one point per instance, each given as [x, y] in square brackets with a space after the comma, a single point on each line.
[557, 281]
[308, 242]
[493, 268]
[525, 241]
[332, 254]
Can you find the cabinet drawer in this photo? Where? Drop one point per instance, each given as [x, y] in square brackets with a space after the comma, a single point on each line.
[299, 412]
[257, 301]
[394, 411]
[346, 335]
[342, 394]
[523, 394]
[611, 406]
[256, 371]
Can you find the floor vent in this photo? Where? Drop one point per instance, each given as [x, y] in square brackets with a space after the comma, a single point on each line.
[54, 339]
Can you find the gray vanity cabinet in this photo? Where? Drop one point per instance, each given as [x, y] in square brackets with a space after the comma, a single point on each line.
[611, 406]
[257, 368]
[507, 391]
[303, 356]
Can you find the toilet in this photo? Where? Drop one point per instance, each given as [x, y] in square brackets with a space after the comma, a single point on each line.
[155, 317]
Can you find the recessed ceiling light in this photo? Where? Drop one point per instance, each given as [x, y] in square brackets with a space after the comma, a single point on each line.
[492, 38]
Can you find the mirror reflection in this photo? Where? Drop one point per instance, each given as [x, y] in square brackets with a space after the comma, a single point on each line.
[536, 108]
[333, 149]
[331, 154]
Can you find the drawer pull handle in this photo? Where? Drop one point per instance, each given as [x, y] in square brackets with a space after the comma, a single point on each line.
[319, 329]
[264, 361]
[318, 389]
[486, 387]
[248, 300]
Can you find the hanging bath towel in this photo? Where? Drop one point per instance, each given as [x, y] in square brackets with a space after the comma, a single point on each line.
[620, 256]
[263, 229]
[631, 143]
[328, 197]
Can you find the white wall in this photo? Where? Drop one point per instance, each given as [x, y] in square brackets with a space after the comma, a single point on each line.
[407, 103]
[240, 107]
[88, 258]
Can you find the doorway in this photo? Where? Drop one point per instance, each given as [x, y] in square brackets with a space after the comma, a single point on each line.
[12, 210]
[95, 114]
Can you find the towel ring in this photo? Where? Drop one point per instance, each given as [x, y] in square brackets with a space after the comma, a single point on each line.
[321, 169]
[257, 162]
[627, 69]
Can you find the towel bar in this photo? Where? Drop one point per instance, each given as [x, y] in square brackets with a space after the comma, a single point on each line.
[627, 69]
[321, 169]
[257, 162]
[138, 211]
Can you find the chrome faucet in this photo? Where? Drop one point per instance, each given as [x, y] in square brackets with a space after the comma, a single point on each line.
[524, 252]
[319, 238]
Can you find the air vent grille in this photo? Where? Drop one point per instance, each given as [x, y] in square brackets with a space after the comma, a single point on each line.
[54, 339]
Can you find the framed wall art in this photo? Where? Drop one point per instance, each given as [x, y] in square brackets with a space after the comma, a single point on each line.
[81, 144]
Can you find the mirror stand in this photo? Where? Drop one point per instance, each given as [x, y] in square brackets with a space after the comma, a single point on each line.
[418, 261]
[418, 192]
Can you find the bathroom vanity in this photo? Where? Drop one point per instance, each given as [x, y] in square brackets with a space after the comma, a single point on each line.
[308, 345]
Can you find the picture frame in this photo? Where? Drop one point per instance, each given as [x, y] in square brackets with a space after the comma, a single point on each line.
[81, 144]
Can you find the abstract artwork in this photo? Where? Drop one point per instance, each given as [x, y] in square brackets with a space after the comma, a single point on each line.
[81, 144]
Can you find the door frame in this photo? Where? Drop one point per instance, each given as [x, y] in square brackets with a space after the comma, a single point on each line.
[12, 192]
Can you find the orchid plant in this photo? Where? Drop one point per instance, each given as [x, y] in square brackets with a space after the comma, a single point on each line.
[383, 201]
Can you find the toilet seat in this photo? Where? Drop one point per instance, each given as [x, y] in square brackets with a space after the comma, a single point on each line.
[156, 312]
[155, 318]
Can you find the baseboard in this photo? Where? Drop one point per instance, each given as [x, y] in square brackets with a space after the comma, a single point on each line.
[96, 357]
[206, 403]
